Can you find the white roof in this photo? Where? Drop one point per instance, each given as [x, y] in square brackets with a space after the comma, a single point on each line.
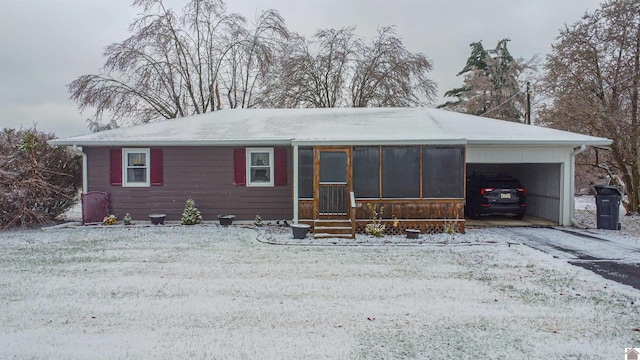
[334, 126]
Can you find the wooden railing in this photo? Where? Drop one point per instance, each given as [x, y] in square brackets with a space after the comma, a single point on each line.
[332, 199]
[352, 213]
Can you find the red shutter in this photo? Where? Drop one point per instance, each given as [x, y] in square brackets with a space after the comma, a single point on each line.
[115, 167]
[280, 169]
[239, 166]
[156, 166]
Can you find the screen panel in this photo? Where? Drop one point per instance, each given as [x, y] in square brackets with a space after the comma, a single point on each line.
[333, 166]
[443, 172]
[401, 172]
[366, 172]
[305, 173]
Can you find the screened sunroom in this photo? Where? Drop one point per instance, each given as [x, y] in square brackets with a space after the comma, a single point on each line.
[419, 186]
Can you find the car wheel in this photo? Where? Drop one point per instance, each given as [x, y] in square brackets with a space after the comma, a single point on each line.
[519, 216]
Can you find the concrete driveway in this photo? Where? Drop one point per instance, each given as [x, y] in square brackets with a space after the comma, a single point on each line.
[497, 220]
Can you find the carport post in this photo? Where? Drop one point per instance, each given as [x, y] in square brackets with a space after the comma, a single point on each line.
[572, 185]
[85, 180]
[295, 184]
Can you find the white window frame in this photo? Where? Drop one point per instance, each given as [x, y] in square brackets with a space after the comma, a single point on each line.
[125, 157]
[271, 167]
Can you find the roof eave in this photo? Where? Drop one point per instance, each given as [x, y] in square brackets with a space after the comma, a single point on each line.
[151, 143]
[596, 142]
[372, 142]
[308, 142]
[265, 142]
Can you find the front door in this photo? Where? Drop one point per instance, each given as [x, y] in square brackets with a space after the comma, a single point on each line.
[332, 178]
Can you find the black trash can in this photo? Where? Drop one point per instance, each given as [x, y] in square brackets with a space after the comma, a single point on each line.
[608, 207]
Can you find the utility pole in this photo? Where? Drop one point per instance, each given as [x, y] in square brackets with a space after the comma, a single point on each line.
[528, 114]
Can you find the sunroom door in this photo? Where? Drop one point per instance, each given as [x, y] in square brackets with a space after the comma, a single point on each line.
[332, 178]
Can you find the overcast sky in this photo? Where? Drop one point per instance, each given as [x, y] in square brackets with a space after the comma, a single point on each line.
[46, 44]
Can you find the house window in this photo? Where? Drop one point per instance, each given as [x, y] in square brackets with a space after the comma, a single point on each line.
[135, 167]
[260, 166]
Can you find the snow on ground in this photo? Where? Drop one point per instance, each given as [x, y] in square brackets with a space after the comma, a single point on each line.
[213, 292]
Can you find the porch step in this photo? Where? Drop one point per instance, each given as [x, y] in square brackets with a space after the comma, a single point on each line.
[332, 228]
[326, 236]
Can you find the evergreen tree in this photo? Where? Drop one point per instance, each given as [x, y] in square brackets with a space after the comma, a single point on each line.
[492, 85]
[191, 215]
[38, 181]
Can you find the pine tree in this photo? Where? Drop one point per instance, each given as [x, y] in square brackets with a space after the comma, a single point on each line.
[191, 215]
[492, 85]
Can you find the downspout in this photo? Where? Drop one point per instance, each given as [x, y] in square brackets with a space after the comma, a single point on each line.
[295, 184]
[572, 182]
[84, 168]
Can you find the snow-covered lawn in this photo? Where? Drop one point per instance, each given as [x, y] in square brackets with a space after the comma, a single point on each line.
[211, 292]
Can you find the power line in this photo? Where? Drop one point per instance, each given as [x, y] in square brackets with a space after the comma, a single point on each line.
[502, 103]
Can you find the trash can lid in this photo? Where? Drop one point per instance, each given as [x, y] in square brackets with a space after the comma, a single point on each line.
[607, 190]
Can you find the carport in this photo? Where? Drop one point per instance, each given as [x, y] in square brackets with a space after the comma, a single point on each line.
[545, 171]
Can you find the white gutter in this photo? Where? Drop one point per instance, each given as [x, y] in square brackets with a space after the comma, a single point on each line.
[136, 142]
[572, 183]
[541, 142]
[85, 186]
[373, 142]
[295, 184]
[184, 142]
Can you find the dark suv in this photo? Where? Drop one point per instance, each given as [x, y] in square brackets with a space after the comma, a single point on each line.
[489, 194]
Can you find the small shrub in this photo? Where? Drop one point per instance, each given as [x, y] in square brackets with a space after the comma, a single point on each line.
[375, 227]
[258, 221]
[110, 220]
[191, 215]
[451, 228]
[127, 219]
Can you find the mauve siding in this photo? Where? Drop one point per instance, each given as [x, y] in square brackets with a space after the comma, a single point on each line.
[205, 174]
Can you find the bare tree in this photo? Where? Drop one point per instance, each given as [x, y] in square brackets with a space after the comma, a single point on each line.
[493, 84]
[386, 74]
[593, 82]
[313, 74]
[172, 65]
[338, 69]
[206, 59]
[249, 63]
